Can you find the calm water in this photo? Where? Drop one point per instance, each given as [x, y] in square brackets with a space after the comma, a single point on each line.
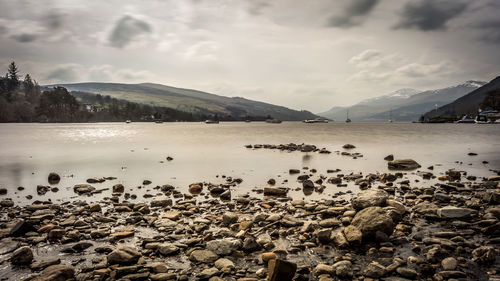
[201, 152]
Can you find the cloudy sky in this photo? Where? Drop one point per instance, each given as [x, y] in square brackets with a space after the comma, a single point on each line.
[302, 54]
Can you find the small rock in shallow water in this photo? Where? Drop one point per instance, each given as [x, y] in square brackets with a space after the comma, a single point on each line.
[54, 178]
[389, 157]
[404, 164]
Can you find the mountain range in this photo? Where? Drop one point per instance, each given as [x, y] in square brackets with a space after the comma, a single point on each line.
[468, 104]
[192, 101]
[402, 105]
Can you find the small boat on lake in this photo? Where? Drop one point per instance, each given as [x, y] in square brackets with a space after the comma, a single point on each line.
[466, 120]
[316, 120]
[128, 121]
[347, 120]
[210, 121]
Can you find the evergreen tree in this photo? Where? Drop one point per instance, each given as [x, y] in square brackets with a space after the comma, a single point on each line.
[13, 76]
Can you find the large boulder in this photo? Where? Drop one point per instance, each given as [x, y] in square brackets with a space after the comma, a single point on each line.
[123, 256]
[59, 272]
[403, 164]
[373, 219]
[369, 198]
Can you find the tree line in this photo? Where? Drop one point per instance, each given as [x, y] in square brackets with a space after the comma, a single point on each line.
[25, 101]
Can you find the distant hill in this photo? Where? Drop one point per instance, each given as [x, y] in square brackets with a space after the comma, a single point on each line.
[402, 105]
[467, 104]
[191, 101]
[365, 108]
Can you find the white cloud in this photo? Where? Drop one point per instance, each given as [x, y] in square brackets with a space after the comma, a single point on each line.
[418, 70]
[205, 51]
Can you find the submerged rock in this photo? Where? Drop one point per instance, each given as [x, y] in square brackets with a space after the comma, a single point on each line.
[53, 178]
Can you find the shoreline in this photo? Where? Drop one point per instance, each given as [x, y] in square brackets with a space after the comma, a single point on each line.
[393, 229]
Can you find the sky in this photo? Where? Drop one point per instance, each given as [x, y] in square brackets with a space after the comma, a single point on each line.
[310, 55]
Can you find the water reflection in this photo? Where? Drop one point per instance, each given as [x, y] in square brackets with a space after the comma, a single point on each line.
[306, 158]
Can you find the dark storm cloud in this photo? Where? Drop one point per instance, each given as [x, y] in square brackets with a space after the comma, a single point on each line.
[257, 6]
[24, 37]
[353, 13]
[428, 15]
[126, 29]
[63, 74]
[490, 29]
[53, 21]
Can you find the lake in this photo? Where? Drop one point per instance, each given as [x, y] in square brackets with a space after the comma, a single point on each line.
[207, 152]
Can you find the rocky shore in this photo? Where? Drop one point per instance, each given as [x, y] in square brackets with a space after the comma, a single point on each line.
[439, 227]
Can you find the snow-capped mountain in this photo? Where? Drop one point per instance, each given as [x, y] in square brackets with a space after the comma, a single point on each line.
[396, 95]
[402, 105]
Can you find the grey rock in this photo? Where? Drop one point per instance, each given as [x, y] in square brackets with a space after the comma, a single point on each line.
[369, 198]
[223, 246]
[373, 219]
[452, 212]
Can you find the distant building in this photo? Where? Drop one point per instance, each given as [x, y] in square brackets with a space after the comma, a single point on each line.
[91, 108]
